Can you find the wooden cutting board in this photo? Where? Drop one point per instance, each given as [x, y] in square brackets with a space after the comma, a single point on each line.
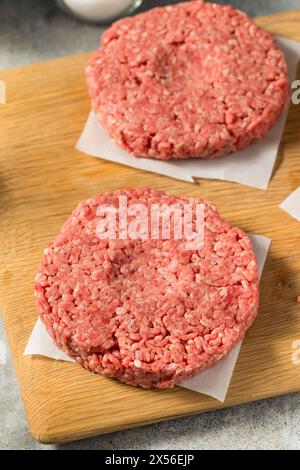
[43, 177]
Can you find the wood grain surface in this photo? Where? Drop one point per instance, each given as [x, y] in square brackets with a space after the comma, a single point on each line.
[43, 177]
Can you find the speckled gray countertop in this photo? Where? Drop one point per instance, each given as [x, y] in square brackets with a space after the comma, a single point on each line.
[34, 30]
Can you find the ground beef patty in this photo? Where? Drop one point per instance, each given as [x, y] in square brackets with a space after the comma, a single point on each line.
[148, 312]
[189, 80]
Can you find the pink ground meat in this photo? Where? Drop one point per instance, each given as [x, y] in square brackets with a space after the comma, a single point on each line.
[189, 80]
[147, 312]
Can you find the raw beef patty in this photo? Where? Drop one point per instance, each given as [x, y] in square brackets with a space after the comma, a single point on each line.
[148, 312]
[188, 80]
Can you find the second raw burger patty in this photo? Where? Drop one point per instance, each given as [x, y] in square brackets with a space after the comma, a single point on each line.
[189, 80]
[147, 311]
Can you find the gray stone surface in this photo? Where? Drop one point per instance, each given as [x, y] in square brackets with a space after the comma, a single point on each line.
[34, 30]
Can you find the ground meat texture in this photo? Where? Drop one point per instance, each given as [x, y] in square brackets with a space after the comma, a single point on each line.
[188, 80]
[147, 312]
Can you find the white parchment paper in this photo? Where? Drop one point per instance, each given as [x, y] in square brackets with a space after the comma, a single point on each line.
[214, 382]
[252, 166]
[292, 204]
